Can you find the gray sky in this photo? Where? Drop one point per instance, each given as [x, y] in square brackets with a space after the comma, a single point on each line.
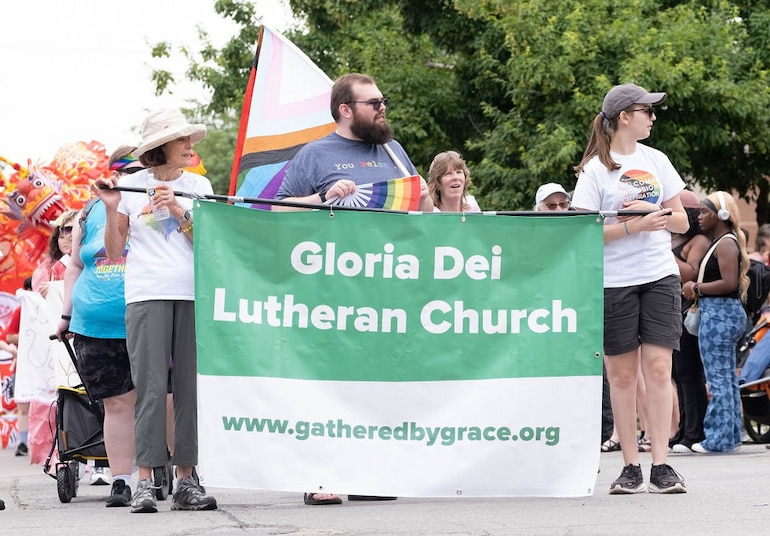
[79, 70]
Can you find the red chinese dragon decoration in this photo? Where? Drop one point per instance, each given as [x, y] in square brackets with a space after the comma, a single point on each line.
[32, 197]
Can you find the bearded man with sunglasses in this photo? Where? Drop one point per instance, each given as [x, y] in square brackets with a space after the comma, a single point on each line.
[361, 149]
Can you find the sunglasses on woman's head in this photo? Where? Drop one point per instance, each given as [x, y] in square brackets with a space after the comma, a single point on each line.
[66, 230]
[130, 170]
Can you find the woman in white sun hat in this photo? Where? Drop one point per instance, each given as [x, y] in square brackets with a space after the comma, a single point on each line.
[159, 291]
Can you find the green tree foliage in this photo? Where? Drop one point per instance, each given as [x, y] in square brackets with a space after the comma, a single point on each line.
[516, 85]
[425, 105]
[216, 150]
[224, 73]
[558, 59]
[426, 108]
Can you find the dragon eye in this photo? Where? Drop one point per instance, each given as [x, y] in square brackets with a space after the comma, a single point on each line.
[20, 200]
[37, 183]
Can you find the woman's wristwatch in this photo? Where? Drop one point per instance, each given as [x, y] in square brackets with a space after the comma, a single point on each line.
[186, 217]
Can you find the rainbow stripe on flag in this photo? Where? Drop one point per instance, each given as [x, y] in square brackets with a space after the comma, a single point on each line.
[396, 194]
[286, 106]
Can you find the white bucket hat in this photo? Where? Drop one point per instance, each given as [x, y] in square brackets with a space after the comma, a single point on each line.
[165, 125]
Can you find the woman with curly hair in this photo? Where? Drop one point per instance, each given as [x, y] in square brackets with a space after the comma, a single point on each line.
[720, 295]
[689, 249]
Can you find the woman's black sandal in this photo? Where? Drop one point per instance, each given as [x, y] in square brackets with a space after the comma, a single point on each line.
[311, 500]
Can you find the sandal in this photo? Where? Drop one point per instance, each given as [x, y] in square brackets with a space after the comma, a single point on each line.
[310, 498]
[610, 446]
[644, 443]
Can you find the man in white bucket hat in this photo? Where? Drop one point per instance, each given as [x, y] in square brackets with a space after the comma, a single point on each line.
[159, 290]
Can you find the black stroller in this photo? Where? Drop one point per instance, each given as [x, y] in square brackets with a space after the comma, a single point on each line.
[755, 395]
[80, 439]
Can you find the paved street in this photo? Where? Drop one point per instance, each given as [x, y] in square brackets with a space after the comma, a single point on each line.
[728, 494]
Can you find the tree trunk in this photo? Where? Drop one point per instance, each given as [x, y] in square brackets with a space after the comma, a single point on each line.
[763, 206]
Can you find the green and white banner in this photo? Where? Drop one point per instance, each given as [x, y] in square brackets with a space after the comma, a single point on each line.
[392, 354]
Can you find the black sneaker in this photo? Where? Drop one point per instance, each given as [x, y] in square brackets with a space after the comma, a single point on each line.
[22, 450]
[663, 479]
[190, 496]
[143, 501]
[629, 481]
[195, 477]
[120, 495]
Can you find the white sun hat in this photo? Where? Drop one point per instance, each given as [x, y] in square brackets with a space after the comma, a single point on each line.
[165, 125]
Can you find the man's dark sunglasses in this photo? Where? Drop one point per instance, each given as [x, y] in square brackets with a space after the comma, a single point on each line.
[376, 103]
[649, 110]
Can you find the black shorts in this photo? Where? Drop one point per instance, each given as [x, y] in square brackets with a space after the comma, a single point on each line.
[648, 313]
[103, 366]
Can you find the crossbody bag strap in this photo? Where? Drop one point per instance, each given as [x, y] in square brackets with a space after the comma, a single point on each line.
[708, 254]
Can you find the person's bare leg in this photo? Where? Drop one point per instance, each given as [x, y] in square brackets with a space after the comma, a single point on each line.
[615, 437]
[170, 422]
[119, 432]
[22, 425]
[656, 367]
[183, 472]
[641, 402]
[674, 410]
[22, 421]
[622, 374]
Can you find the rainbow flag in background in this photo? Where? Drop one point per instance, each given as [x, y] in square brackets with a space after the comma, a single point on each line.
[396, 194]
[286, 106]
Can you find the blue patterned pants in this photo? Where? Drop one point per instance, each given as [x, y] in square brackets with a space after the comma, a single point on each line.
[723, 321]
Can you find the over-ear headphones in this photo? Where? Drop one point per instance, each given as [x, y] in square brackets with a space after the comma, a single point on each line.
[722, 214]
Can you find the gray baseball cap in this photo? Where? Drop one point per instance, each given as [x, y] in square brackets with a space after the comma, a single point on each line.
[621, 97]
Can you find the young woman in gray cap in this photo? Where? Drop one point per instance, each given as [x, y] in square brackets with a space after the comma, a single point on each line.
[642, 318]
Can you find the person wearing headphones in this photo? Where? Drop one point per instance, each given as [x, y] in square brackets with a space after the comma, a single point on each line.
[642, 317]
[720, 293]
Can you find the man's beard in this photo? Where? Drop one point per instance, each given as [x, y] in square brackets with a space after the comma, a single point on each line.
[375, 132]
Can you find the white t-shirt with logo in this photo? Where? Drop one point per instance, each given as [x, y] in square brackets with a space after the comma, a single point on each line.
[159, 264]
[647, 174]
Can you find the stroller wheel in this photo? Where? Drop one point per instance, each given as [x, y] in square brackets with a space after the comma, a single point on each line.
[67, 481]
[759, 432]
[162, 481]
